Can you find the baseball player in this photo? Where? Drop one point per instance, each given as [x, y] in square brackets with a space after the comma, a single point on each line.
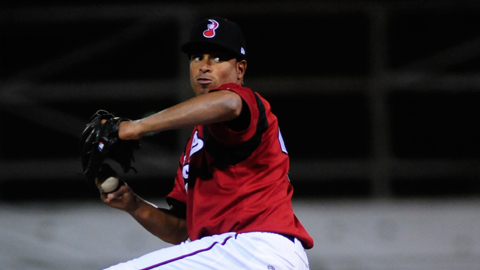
[230, 207]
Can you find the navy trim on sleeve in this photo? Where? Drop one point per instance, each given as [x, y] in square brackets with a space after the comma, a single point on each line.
[235, 154]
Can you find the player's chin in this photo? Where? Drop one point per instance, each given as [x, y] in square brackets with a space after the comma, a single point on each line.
[201, 89]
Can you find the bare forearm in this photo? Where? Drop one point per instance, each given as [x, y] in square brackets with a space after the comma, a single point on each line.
[205, 109]
[160, 222]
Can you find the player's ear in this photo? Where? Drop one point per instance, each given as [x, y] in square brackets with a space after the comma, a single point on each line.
[241, 68]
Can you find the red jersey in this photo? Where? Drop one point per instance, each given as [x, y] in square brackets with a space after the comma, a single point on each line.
[236, 181]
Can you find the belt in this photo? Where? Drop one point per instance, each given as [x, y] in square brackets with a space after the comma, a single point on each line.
[289, 237]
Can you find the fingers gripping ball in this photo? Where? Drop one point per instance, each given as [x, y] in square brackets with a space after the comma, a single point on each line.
[100, 141]
[107, 180]
[110, 184]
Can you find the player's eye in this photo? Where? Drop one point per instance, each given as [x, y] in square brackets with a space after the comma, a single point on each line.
[219, 57]
[197, 58]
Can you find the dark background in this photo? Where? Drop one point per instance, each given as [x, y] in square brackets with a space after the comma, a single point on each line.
[375, 99]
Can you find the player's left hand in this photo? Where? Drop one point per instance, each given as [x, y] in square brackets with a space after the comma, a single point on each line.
[100, 140]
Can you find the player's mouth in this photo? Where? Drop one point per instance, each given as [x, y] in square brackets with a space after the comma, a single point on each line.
[204, 81]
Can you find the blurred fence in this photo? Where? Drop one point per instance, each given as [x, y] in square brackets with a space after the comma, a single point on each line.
[376, 99]
[349, 235]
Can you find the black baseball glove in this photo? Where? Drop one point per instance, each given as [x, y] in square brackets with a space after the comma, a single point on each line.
[100, 141]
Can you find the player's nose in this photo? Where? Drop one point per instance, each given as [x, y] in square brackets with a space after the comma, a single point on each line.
[205, 65]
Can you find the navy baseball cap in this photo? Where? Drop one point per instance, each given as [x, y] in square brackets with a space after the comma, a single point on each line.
[217, 33]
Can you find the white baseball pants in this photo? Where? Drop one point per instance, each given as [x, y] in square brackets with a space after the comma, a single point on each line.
[252, 250]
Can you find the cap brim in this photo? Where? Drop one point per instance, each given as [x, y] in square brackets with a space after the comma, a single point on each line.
[194, 47]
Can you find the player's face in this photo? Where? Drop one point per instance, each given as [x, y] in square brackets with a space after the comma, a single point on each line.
[210, 70]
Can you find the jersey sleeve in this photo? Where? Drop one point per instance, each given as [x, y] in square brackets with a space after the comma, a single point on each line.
[222, 133]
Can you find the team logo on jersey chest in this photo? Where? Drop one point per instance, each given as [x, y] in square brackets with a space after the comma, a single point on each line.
[185, 170]
[197, 145]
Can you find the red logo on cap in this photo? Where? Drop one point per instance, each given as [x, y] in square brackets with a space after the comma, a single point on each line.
[210, 32]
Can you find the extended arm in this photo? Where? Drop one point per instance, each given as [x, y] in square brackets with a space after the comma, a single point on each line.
[209, 108]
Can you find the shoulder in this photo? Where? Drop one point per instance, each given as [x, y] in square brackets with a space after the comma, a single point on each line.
[247, 95]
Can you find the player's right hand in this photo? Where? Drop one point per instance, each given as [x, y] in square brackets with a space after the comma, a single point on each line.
[124, 199]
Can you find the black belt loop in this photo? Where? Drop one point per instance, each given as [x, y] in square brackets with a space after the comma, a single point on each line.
[289, 237]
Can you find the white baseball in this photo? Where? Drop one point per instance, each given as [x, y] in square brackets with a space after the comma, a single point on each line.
[109, 185]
